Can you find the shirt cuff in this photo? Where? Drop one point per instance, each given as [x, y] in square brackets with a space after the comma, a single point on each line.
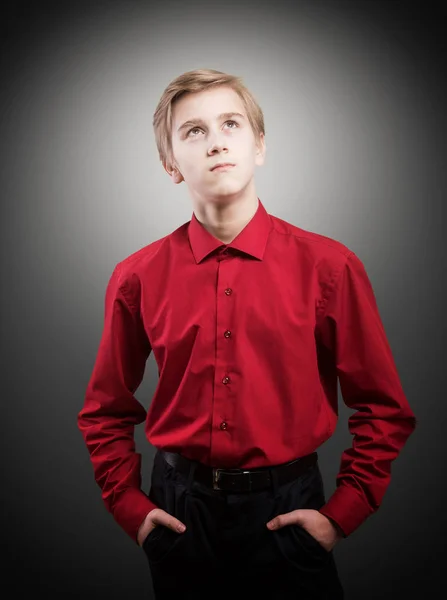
[346, 508]
[131, 509]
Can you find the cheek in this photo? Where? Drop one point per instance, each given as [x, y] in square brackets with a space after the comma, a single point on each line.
[246, 149]
[247, 157]
[187, 163]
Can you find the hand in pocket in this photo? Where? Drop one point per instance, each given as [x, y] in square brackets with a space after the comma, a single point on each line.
[156, 518]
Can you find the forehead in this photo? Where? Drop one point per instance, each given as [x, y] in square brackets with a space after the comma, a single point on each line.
[206, 104]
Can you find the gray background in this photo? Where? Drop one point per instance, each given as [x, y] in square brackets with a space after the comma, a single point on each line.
[354, 98]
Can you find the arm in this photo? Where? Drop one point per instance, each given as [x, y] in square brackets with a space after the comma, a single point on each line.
[111, 411]
[350, 327]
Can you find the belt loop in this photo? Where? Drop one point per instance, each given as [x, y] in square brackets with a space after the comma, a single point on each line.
[192, 468]
[274, 481]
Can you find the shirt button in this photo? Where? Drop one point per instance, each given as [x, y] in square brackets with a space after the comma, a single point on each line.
[225, 379]
[223, 425]
[227, 333]
[228, 291]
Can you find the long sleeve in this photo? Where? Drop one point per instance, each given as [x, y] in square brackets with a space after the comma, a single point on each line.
[111, 411]
[350, 327]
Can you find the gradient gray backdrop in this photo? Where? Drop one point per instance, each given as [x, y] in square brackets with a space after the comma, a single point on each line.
[354, 98]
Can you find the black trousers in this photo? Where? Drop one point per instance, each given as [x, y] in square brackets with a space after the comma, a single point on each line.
[227, 550]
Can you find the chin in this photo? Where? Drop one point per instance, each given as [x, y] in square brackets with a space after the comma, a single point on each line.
[227, 195]
[228, 189]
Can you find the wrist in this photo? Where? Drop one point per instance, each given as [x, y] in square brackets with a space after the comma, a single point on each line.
[142, 530]
[337, 528]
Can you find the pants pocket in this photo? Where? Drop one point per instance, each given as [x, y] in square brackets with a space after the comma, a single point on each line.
[160, 542]
[169, 495]
[295, 543]
[308, 541]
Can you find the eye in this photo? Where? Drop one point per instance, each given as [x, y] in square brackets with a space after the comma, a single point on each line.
[198, 128]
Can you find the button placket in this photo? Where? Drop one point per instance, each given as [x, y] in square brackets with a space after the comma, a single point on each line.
[227, 334]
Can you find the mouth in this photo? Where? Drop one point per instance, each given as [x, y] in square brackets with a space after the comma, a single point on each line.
[222, 167]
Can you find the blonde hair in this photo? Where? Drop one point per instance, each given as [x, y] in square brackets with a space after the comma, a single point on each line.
[197, 81]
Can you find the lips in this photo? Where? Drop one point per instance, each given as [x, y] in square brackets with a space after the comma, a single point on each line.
[222, 165]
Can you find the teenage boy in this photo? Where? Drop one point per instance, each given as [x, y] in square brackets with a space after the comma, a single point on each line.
[252, 321]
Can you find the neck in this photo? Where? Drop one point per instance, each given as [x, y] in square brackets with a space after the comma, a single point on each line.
[226, 218]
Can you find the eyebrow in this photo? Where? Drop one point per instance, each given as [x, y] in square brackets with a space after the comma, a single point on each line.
[197, 121]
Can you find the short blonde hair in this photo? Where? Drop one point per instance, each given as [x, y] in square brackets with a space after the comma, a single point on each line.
[197, 81]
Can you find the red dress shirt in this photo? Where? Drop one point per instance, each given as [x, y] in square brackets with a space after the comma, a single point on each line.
[249, 338]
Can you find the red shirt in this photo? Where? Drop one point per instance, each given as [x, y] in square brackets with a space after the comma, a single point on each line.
[249, 338]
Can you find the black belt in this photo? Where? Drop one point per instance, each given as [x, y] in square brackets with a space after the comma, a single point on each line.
[240, 480]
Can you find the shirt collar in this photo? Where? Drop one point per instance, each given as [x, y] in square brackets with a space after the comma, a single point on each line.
[251, 240]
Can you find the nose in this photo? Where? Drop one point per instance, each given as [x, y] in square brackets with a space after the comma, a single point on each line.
[217, 144]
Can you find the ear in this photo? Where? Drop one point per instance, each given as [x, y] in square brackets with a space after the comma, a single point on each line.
[260, 150]
[173, 173]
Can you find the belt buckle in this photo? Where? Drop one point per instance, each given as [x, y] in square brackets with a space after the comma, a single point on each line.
[217, 471]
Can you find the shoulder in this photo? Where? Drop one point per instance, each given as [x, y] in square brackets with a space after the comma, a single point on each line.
[129, 273]
[322, 249]
[139, 261]
[328, 258]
